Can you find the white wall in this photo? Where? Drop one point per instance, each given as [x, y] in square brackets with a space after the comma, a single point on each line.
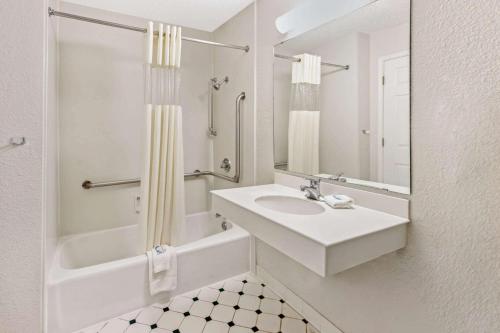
[239, 66]
[446, 279]
[102, 119]
[382, 43]
[23, 170]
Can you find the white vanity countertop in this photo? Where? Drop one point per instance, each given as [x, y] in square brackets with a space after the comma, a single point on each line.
[328, 228]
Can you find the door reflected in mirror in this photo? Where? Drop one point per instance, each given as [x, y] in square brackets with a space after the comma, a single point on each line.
[342, 99]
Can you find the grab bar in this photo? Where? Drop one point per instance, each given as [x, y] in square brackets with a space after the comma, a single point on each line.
[87, 184]
[237, 152]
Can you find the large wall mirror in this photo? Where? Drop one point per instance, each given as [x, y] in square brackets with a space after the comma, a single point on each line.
[342, 98]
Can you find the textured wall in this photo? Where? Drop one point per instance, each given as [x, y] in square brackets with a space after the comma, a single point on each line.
[448, 277]
[455, 239]
[22, 113]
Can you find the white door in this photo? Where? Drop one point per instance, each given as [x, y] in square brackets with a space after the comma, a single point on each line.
[396, 120]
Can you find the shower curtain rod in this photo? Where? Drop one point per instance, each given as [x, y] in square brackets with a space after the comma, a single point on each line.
[53, 12]
[295, 59]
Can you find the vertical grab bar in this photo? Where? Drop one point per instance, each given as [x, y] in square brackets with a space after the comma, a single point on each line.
[237, 153]
[240, 98]
[211, 128]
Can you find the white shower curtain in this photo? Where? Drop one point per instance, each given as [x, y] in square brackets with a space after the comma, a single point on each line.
[303, 126]
[162, 214]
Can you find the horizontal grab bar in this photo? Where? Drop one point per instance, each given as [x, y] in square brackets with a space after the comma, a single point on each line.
[87, 184]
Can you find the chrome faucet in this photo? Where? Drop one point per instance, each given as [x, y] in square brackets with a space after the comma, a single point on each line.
[312, 191]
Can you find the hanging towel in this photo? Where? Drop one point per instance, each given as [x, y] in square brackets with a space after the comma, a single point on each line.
[164, 280]
[304, 116]
[161, 258]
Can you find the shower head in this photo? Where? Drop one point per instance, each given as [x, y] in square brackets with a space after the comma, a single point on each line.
[216, 85]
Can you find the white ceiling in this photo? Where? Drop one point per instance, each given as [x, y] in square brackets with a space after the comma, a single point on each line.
[378, 15]
[205, 15]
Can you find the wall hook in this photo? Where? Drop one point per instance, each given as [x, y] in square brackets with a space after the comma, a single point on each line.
[17, 141]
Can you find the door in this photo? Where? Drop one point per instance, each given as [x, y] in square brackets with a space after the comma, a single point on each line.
[396, 120]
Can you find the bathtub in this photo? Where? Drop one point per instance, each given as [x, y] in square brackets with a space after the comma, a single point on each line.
[99, 275]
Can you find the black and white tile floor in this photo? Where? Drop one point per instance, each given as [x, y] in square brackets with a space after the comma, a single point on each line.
[238, 305]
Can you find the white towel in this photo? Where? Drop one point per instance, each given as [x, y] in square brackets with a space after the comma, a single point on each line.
[161, 258]
[165, 280]
[338, 201]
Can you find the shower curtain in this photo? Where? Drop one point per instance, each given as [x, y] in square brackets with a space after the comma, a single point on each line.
[162, 213]
[303, 126]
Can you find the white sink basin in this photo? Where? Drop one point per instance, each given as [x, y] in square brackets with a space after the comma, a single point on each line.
[289, 205]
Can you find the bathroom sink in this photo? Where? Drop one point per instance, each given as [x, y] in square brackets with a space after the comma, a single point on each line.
[289, 205]
[324, 240]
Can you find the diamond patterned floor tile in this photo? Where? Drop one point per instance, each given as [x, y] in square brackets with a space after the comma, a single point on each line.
[239, 329]
[115, 326]
[223, 313]
[181, 304]
[228, 298]
[245, 318]
[252, 289]
[192, 324]
[149, 316]
[233, 285]
[138, 328]
[160, 330]
[272, 306]
[209, 294]
[170, 320]
[291, 325]
[201, 309]
[311, 329]
[242, 304]
[269, 323]
[289, 312]
[267, 292]
[216, 327]
[249, 302]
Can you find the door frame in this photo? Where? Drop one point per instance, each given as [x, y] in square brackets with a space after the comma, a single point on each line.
[380, 108]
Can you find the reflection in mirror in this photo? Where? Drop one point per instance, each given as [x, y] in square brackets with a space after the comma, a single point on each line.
[342, 99]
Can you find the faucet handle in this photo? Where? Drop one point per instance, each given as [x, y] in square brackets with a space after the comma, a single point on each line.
[313, 181]
[312, 191]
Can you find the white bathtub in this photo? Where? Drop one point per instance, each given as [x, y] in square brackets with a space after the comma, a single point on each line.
[99, 275]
